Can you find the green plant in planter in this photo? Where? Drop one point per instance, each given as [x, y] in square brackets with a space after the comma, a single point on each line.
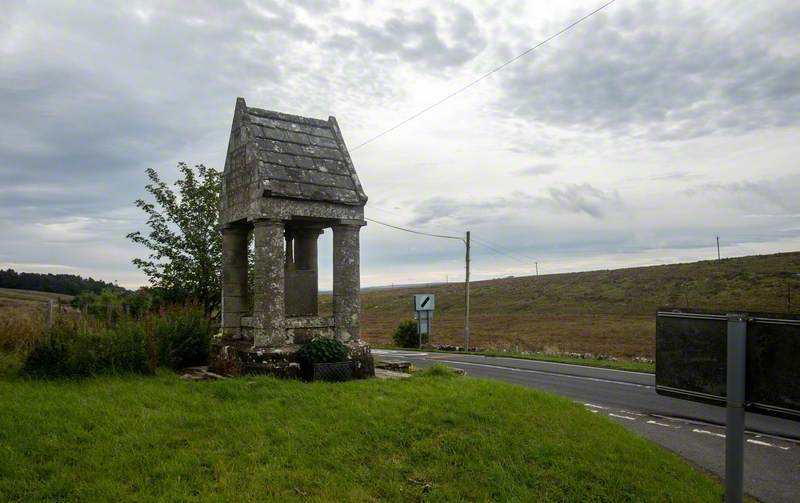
[322, 350]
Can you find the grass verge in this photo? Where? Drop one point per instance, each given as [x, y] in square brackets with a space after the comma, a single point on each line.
[432, 437]
[629, 365]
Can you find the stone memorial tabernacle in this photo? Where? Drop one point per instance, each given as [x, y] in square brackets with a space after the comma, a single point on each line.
[287, 179]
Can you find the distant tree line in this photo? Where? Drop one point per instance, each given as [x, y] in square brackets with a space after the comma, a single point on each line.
[69, 284]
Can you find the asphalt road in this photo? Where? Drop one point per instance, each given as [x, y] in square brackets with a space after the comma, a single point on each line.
[695, 431]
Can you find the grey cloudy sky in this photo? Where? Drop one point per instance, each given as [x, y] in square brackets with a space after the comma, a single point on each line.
[635, 138]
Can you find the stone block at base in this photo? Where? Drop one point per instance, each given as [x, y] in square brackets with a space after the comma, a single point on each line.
[235, 358]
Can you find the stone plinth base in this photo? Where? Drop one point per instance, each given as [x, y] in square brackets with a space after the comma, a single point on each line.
[240, 358]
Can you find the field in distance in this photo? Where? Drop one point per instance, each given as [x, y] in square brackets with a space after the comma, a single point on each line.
[609, 312]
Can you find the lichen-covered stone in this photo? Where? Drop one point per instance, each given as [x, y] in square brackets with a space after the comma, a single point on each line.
[286, 179]
[242, 359]
[305, 159]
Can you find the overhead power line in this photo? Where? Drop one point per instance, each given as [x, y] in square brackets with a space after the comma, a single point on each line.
[500, 252]
[484, 76]
[493, 247]
[413, 231]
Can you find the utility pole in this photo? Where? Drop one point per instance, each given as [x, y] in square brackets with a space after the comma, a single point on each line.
[537, 268]
[466, 299]
[719, 257]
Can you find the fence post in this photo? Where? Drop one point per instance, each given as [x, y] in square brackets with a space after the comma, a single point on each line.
[49, 315]
[735, 413]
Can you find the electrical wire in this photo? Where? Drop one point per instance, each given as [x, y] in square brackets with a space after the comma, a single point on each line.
[507, 251]
[413, 231]
[484, 76]
[495, 250]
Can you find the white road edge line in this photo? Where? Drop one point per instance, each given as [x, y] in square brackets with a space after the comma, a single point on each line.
[665, 425]
[706, 432]
[765, 444]
[538, 361]
[531, 371]
[595, 406]
[629, 418]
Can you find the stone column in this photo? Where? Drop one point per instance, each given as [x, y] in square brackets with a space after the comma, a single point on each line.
[289, 251]
[268, 291]
[234, 279]
[306, 248]
[346, 280]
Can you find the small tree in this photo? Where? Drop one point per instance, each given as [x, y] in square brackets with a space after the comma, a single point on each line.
[184, 242]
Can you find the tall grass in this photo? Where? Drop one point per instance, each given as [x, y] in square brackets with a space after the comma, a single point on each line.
[78, 345]
[21, 329]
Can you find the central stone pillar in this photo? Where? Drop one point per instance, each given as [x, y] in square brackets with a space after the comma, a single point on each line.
[268, 291]
[346, 280]
[302, 289]
[306, 248]
[234, 279]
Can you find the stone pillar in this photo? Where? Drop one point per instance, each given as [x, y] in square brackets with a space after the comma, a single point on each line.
[302, 288]
[289, 251]
[268, 291]
[306, 249]
[234, 279]
[346, 280]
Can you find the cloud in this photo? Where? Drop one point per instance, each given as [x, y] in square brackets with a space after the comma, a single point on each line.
[419, 37]
[663, 71]
[94, 94]
[538, 169]
[754, 195]
[582, 199]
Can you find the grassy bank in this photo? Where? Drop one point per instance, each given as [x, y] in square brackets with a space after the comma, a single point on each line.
[428, 437]
[608, 312]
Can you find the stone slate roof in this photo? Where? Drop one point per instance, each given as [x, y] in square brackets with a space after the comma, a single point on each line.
[300, 157]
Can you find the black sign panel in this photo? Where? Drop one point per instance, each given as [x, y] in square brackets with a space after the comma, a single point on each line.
[691, 359]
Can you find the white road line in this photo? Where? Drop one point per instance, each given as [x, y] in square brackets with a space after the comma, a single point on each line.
[393, 351]
[397, 353]
[531, 371]
[629, 418]
[631, 413]
[560, 363]
[766, 444]
[706, 432]
[593, 411]
[595, 406]
[663, 424]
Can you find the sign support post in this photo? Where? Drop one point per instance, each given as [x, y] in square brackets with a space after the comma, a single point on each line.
[423, 306]
[735, 413]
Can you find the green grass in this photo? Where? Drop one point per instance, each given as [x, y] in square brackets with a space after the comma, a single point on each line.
[632, 366]
[432, 437]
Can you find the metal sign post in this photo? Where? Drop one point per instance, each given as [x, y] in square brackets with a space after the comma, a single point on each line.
[734, 413]
[423, 306]
[703, 356]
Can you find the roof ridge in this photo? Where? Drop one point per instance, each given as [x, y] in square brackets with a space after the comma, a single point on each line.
[272, 114]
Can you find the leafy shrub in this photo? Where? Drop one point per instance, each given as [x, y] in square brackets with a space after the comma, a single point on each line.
[322, 350]
[406, 335]
[182, 336]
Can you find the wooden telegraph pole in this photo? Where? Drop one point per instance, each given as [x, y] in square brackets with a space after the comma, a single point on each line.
[466, 299]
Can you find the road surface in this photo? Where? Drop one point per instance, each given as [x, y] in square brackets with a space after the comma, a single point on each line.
[695, 431]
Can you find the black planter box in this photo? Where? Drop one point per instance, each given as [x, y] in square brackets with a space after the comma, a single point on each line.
[335, 372]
